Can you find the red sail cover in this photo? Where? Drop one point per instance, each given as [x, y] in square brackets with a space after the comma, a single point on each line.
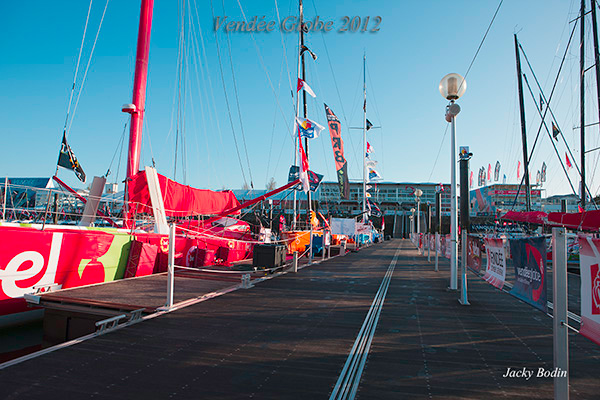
[534, 217]
[588, 221]
[180, 200]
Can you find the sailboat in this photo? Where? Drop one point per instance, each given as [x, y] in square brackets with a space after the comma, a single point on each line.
[46, 257]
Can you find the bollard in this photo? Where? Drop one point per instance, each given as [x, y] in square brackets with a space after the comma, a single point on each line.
[295, 262]
[560, 333]
[343, 248]
[246, 281]
[437, 240]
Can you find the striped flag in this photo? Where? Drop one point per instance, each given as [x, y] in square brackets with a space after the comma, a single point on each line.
[303, 85]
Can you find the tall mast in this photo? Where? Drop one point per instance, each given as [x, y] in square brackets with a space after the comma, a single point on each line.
[364, 205]
[139, 97]
[304, 110]
[300, 71]
[582, 100]
[523, 127]
[596, 53]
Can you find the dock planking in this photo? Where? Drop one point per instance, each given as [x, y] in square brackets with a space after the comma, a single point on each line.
[289, 337]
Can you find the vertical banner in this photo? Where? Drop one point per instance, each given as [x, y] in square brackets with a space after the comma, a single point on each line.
[447, 247]
[495, 272]
[474, 245]
[589, 260]
[529, 259]
[341, 166]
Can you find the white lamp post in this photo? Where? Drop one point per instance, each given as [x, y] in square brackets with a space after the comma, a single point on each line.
[452, 87]
[418, 194]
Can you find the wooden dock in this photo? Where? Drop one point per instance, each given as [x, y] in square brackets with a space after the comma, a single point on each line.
[290, 337]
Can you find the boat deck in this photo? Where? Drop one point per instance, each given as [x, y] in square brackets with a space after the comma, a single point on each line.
[289, 338]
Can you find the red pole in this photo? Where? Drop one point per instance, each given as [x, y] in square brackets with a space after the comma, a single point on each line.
[139, 96]
[251, 202]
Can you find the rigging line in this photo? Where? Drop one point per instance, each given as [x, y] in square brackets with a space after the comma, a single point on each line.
[262, 63]
[546, 109]
[554, 118]
[237, 100]
[227, 98]
[121, 154]
[549, 135]
[179, 73]
[284, 54]
[196, 56]
[374, 97]
[273, 128]
[482, 40]
[77, 66]
[87, 67]
[438, 154]
[117, 149]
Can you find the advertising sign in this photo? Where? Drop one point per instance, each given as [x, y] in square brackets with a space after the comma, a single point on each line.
[474, 246]
[495, 272]
[589, 261]
[529, 259]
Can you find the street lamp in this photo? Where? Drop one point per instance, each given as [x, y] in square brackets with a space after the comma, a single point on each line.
[452, 87]
[412, 225]
[418, 194]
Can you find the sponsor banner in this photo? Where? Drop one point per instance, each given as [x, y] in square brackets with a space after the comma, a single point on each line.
[335, 131]
[589, 261]
[362, 228]
[343, 226]
[529, 259]
[474, 245]
[432, 242]
[514, 192]
[31, 258]
[448, 247]
[495, 272]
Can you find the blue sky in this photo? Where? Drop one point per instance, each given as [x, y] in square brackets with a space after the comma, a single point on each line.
[418, 43]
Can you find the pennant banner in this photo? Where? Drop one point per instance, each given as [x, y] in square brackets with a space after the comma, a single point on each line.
[495, 272]
[341, 166]
[543, 177]
[589, 260]
[303, 85]
[529, 259]
[67, 159]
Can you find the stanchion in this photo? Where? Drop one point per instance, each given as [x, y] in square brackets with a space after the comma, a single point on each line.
[428, 248]
[560, 333]
[171, 269]
[295, 262]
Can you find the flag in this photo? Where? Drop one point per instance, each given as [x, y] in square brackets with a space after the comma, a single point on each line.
[303, 165]
[471, 180]
[489, 172]
[369, 125]
[538, 178]
[555, 131]
[367, 194]
[369, 148]
[569, 165]
[504, 179]
[304, 85]
[309, 129]
[371, 163]
[497, 171]
[441, 187]
[541, 102]
[67, 159]
[335, 131]
[543, 177]
[304, 48]
[374, 175]
[519, 170]
[369, 187]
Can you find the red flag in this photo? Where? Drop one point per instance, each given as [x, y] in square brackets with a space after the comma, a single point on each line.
[569, 165]
[303, 85]
[519, 170]
[489, 172]
[471, 180]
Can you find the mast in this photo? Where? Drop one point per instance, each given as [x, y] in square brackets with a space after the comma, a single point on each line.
[596, 54]
[364, 205]
[300, 71]
[582, 100]
[139, 97]
[523, 127]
